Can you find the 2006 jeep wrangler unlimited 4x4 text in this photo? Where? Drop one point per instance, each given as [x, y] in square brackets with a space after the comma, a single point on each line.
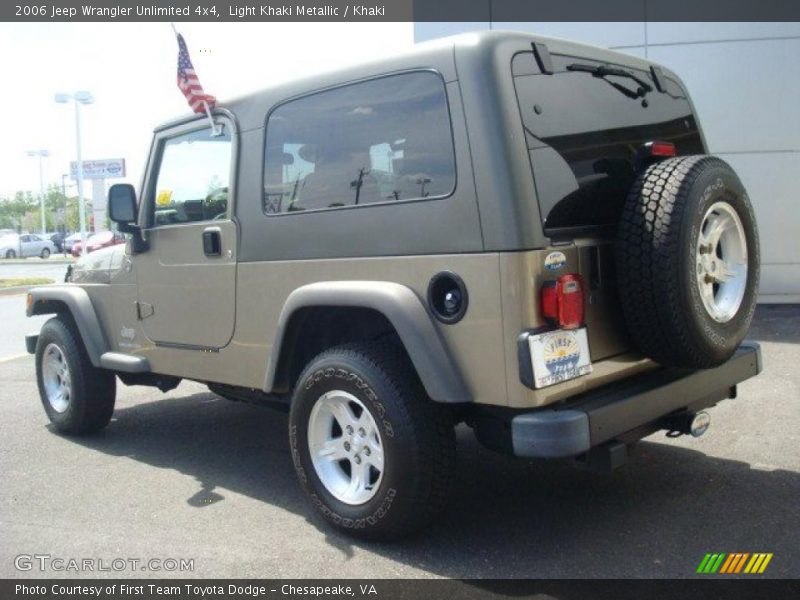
[519, 233]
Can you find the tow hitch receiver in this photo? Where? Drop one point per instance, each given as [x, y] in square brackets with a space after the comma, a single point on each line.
[694, 424]
[604, 458]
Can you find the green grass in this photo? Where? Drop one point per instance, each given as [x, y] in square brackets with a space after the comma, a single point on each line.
[20, 281]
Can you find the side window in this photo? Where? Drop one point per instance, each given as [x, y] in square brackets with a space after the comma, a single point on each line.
[193, 179]
[382, 140]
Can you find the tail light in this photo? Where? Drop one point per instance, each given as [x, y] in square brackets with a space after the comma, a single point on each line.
[562, 301]
[652, 152]
[662, 149]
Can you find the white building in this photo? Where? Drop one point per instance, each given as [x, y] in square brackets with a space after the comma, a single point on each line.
[744, 79]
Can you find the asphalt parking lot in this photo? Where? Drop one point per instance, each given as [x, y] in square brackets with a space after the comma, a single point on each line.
[54, 267]
[189, 475]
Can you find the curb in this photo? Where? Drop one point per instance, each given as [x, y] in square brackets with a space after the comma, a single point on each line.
[38, 261]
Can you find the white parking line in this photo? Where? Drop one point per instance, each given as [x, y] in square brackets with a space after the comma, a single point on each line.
[10, 358]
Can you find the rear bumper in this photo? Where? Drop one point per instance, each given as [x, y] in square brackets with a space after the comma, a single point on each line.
[631, 406]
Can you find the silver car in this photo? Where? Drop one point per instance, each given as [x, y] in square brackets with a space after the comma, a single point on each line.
[26, 244]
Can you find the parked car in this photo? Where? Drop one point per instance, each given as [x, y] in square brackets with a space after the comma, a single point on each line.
[58, 240]
[25, 245]
[522, 234]
[9, 245]
[70, 240]
[96, 241]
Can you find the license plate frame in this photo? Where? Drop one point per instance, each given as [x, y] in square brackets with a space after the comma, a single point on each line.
[559, 355]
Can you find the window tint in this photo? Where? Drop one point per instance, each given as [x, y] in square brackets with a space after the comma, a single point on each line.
[383, 140]
[193, 178]
[583, 133]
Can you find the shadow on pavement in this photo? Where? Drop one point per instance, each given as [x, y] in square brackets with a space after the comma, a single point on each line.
[656, 517]
[776, 323]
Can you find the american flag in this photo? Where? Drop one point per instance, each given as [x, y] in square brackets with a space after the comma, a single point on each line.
[188, 83]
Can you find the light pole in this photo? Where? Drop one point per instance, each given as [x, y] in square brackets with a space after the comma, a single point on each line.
[41, 154]
[64, 177]
[78, 98]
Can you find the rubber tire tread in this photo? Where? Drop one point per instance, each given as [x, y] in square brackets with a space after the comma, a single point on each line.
[93, 389]
[427, 428]
[652, 238]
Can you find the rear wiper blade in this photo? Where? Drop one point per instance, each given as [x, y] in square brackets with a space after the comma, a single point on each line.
[603, 71]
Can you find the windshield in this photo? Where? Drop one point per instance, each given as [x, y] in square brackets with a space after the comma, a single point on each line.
[584, 125]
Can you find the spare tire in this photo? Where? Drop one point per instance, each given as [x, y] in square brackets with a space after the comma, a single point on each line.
[687, 259]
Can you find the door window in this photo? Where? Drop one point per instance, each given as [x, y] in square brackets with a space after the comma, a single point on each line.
[193, 179]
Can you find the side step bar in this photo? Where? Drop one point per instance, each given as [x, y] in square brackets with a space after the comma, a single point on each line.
[113, 361]
[125, 363]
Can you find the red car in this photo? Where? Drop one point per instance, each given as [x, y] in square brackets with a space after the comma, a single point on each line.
[99, 240]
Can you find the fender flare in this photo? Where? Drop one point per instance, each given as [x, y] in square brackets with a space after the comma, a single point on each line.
[45, 300]
[407, 314]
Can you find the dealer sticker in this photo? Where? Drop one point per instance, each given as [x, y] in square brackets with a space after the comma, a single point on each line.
[554, 261]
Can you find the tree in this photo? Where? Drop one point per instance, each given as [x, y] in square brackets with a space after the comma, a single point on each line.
[13, 210]
[22, 212]
[57, 207]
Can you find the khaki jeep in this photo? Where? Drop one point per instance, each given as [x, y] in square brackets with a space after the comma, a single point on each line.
[521, 234]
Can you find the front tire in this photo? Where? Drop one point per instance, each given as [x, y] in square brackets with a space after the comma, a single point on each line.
[373, 453]
[77, 397]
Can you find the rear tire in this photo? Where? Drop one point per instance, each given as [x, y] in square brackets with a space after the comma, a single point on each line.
[45, 253]
[688, 262]
[405, 459]
[11, 254]
[77, 397]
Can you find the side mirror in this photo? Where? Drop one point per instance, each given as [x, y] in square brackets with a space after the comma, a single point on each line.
[122, 206]
[123, 211]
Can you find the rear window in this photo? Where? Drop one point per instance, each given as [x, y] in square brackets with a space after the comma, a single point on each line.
[583, 132]
[377, 141]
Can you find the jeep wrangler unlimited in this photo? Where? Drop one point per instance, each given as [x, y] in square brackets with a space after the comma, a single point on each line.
[523, 234]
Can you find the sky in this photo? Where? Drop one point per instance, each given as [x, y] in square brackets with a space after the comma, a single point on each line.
[130, 68]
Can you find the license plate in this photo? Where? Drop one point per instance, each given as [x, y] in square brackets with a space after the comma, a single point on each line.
[559, 356]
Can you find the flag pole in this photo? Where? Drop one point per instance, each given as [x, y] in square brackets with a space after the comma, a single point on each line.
[214, 131]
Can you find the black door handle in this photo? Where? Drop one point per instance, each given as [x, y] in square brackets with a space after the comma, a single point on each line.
[212, 242]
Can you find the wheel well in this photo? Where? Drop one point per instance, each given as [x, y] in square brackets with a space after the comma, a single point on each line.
[52, 307]
[313, 329]
[60, 309]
